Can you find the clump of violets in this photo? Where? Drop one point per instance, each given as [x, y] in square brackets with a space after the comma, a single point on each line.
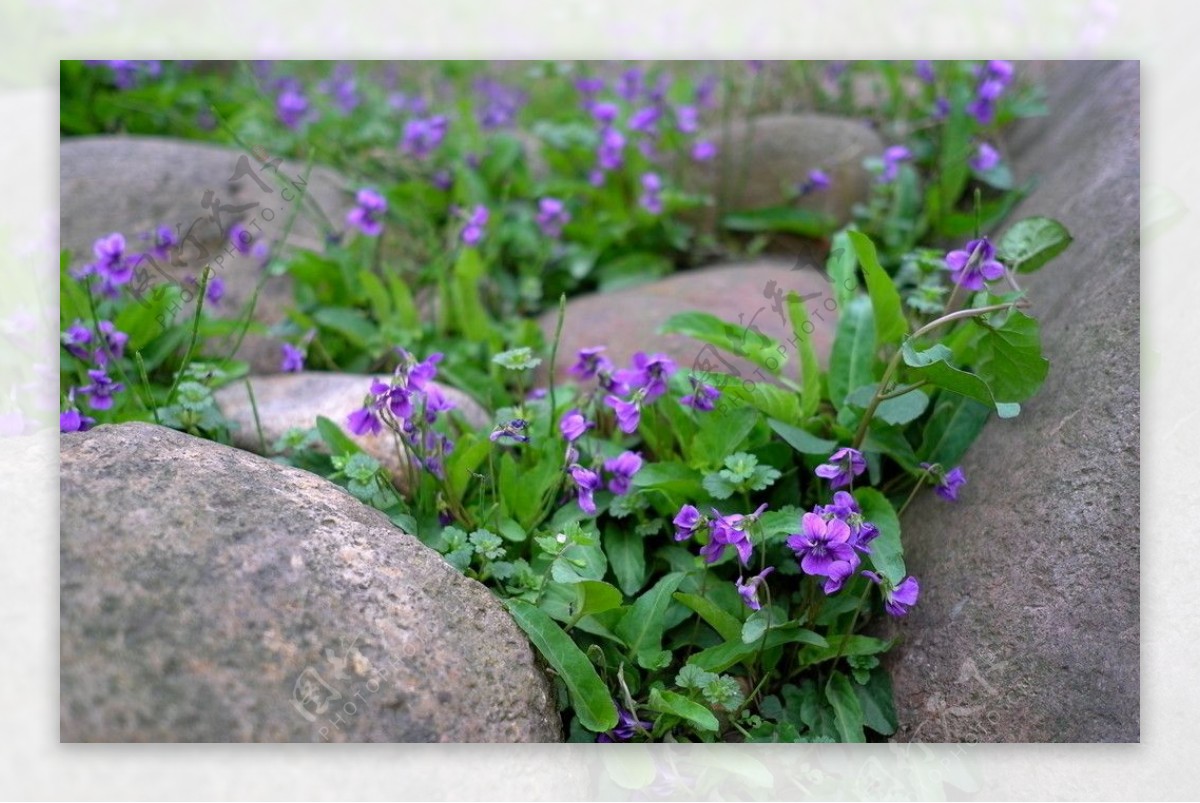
[423, 135]
[892, 157]
[703, 397]
[651, 198]
[367, 214]
[552, 216]
[113, 265]
[844, 465]
[994, 77]
[342, 89]
[732, 530]
[971, 267]
[644, 382]
[823, 549]
[291, 107]
[477, 220]
[409, 405]
[498, 104]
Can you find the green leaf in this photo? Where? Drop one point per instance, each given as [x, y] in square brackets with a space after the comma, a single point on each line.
[899, 410]
[350, 323]
[801, 440]
[755, 626]
[1031, 243]
[591, 700]
[890, 440]
[955, 424]
[720, 435]
[668, 702]
[1009, 357]
[725, 623]
[887, 552]
[743, 341]
[596, 596]
[403, 303]
[953, 159]
[876, 701]
[790, 219]
[642, 626]
[890, 323]
[852, 362]
[848, 715]
[470, 451]
[810, 369]
[469, 312]
[376, 294]
[854, 645]
[933, 365]
[771, 400]
[339, 442]
[673, 478]
[631, 270]
[841, 266]
[626, 557]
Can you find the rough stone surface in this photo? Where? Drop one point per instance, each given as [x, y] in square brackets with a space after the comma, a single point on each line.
[1028, 626]
[208, 594]
[135, 184]
[767, 156]
[627, 321]
[296, 400]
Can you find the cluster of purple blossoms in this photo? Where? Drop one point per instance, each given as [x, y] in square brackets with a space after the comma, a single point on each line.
[409, 406]
[986, 158]
[892, 157]
[113, 265]
[651, 200]
[126, 73]
[98, 348]
[477, 220]
[109, 342]
[645, 382]
[621, 470]
[831, 538]
[367, 214]
[292, 107]
[732, 530]
[974, 265]
[423, 135]
[994, 77]
[342, 88]
[552, 215]
[499, 104]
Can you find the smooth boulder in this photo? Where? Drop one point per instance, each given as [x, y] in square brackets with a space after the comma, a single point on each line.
[211, 595]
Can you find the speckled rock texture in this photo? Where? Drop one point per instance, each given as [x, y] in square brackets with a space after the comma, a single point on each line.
[1028, 625]
[752, 294]
[133, 184]
[210, 595]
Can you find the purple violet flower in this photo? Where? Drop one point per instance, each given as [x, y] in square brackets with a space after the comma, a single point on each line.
[649, 372]
[365, 421]
[71, 420]
[844, 465]
[924, 71]
[75, 338]
[101, 390]
[629, 413]
[610, 153]
[687, 119]
[702, 398]
[622, 468]
[687, 521]
[731, 530]
[749, 589]
[703, 150]
[513, 430]
[974, 265]
[292, 359]
[896, 601]
[587, 482]
[823, 549]
[650, 199]
[422, 136]
[627, 726]
[472, 233]
[949, 483]
[573, 425]
[552, 216]
[291, 107]
[892, 157]
[590, 363]
[985, 158]
[367, 213]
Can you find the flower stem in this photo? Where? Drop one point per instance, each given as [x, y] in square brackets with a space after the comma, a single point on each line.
[562, 313]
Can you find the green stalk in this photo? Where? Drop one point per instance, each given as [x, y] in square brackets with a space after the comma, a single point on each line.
[562, 313]
[187, 356]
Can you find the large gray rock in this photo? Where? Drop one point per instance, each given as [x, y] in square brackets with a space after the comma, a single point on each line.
[1028, 626]
[285, 401]
[765, 157]
[752, 295]
[211, 595]
[133, 185]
